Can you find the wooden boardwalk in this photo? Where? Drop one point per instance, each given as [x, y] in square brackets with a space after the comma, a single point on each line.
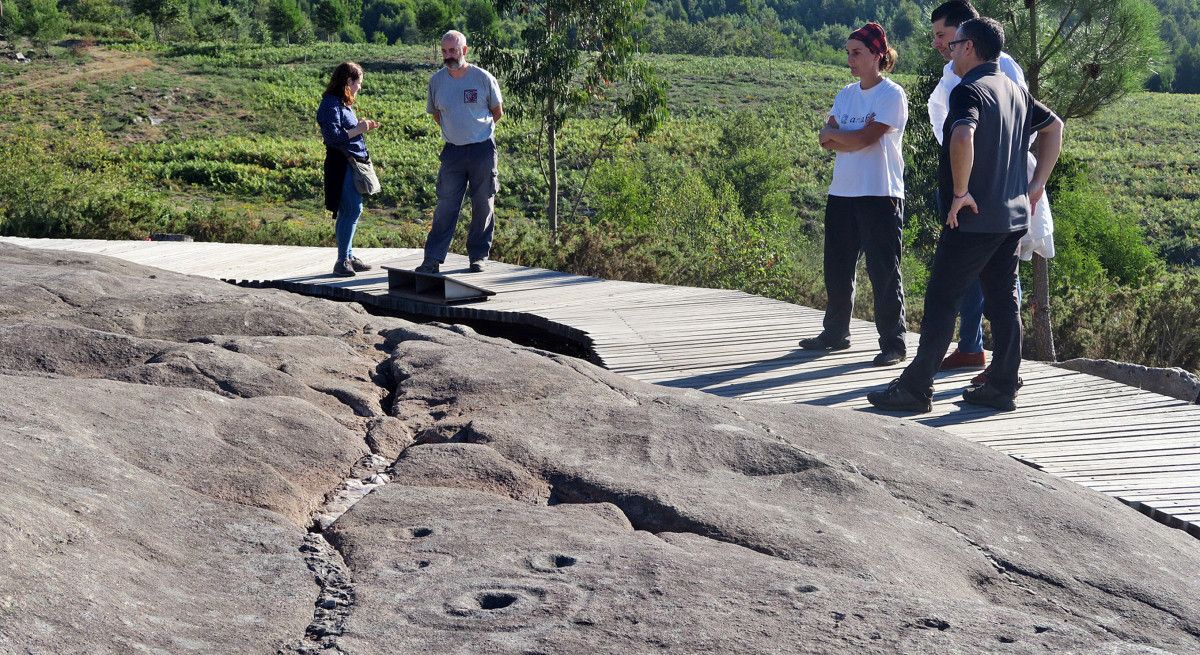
[1138, 446]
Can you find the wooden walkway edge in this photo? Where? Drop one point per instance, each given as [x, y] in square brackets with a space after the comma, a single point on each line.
[1140, 447]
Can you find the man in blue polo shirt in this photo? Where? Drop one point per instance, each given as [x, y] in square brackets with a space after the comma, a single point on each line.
[986, 194]
[465, 101]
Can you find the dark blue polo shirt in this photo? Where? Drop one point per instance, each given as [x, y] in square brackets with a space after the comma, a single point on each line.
[1005, 118]
[335, 118]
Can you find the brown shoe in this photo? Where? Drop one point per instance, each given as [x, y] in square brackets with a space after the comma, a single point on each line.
[960, 359]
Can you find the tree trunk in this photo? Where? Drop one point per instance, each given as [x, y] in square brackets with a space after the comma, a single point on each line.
[552, 170]
[1043, 335]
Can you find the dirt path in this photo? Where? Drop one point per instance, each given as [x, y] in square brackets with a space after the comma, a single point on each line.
[104, 62]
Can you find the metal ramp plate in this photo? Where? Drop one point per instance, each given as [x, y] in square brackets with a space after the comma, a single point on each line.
[433, 287]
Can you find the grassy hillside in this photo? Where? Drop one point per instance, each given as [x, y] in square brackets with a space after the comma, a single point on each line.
[1144, 153]
[220, 142]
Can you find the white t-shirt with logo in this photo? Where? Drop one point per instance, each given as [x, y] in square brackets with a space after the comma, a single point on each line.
[878, 169]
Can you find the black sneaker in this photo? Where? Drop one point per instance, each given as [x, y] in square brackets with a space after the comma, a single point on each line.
[343, 268]
[359, 265]
[898, 399]
[889, 358]
[428, 268]
[824, 342]
[989, 396]
[477, 265]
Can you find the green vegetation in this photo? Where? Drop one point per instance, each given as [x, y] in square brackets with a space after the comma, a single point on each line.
[219, 141]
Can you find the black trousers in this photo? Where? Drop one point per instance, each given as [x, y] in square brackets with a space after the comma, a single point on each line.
[871, 225]
[961, 258]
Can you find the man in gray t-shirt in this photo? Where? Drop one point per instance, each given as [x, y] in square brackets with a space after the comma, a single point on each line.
[465, 101]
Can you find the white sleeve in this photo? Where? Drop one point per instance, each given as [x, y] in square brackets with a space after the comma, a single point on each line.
[833, 111]
[1012, 70]
[939, 108]
[893, 112]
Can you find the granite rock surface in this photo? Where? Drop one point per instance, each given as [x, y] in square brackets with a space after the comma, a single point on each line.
[169, 440]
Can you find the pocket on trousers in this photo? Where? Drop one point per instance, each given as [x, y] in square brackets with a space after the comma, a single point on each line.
[495, 182]
[439, 187]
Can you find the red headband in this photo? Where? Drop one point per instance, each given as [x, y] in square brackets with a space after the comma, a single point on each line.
[872, 35]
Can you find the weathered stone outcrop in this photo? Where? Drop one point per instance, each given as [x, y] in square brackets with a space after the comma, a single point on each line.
[168, 440]
[1173, 382]
[680, 520]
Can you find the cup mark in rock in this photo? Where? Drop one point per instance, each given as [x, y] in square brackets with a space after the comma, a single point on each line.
[552, 562]
[421, 562]
[410, 533]
[491, 605]
[495, 600]
[933, 622]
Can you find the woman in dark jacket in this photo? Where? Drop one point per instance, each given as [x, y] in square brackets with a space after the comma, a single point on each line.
[343, 135]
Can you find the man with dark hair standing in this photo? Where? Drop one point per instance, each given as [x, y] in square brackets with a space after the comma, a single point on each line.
[982, 168]
[465, 101]
[945, 20]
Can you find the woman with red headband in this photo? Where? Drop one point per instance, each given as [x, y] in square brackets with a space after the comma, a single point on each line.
[865, 208]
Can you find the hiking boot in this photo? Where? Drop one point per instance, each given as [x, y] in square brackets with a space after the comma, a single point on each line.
[898, 399]
[960, 359]
[989, 396]
[824, 342]
[889, 358]
[343, 268]
[359, 265]
[428, 268]
[477, 265]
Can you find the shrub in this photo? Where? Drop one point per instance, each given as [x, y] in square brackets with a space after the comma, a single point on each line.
[1152, 323]
[1093, 242]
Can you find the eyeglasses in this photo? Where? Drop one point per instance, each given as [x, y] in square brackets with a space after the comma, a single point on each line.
[950, 46]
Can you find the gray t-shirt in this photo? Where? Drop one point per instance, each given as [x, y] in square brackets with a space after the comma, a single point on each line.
[465, 104]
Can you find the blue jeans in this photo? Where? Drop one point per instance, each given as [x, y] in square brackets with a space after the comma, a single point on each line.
[970, 322]
[347, 216]
[471, 166]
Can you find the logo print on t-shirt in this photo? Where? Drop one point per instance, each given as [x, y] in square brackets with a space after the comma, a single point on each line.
[847, 119]
[471, 96]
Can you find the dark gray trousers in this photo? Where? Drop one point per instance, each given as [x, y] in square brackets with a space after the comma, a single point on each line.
[871, 225]
[464, 168]
[962, 258]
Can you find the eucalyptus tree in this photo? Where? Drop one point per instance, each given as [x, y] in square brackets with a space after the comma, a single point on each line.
[1079, 56]
[574, 55]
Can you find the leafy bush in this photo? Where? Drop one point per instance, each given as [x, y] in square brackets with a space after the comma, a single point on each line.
[1153, 323]
[1093, 243]
[58, 185]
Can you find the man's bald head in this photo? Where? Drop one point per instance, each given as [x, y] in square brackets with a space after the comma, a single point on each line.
[454, 49]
